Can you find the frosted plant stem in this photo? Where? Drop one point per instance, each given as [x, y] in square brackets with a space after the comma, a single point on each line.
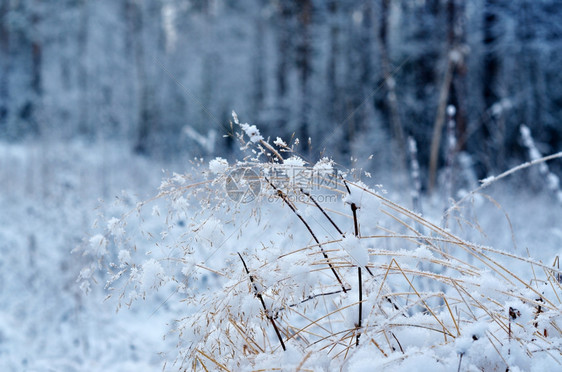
[488, 181]
[273, 151]
[323, 211]
[259, 296]
[311, 297]
[399, 344]
[355, 221]
[353, 210]
[360, 305]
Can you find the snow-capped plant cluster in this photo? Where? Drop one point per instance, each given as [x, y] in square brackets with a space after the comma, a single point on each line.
[280, 263]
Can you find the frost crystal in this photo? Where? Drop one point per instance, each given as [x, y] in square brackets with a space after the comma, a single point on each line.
[124, 256]
[152, 275]
[218, 165]
[252, 132]
[85, 273]
[85, 287]
[155, 211]
[114, 227]
[488, 180]
[98, 245]
[324, 166]
[279, 142]
[294, 161]
[235, 117]
[180, 203]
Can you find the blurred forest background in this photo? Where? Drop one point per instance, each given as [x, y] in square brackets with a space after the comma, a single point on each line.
[356, 77]
[99, 96]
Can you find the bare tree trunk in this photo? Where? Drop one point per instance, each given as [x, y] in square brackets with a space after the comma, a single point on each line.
[5, 67]
[283, 46]
[491, 62]
[146, 118]
[36, 61]
[455, 65]
[333, 95]
[304, 67]
[459, 89]
[390, 84]
[367, 81]
[259, 61]
[84, 127]
[439, 121]
[282, 66]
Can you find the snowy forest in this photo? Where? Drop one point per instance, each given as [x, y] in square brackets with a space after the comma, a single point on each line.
[430, 132]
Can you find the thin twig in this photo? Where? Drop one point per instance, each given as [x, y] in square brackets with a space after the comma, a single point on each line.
[354, 209]
[311, 297]
[323, 211]
[399, 345]
[355, 222]
[212, 360]
[259, 296]
[460, 361]
[488, 182]
[270, 148]
[360, 306]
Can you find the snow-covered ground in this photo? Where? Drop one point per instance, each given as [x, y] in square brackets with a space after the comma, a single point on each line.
[439, 301]
[49, 195]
